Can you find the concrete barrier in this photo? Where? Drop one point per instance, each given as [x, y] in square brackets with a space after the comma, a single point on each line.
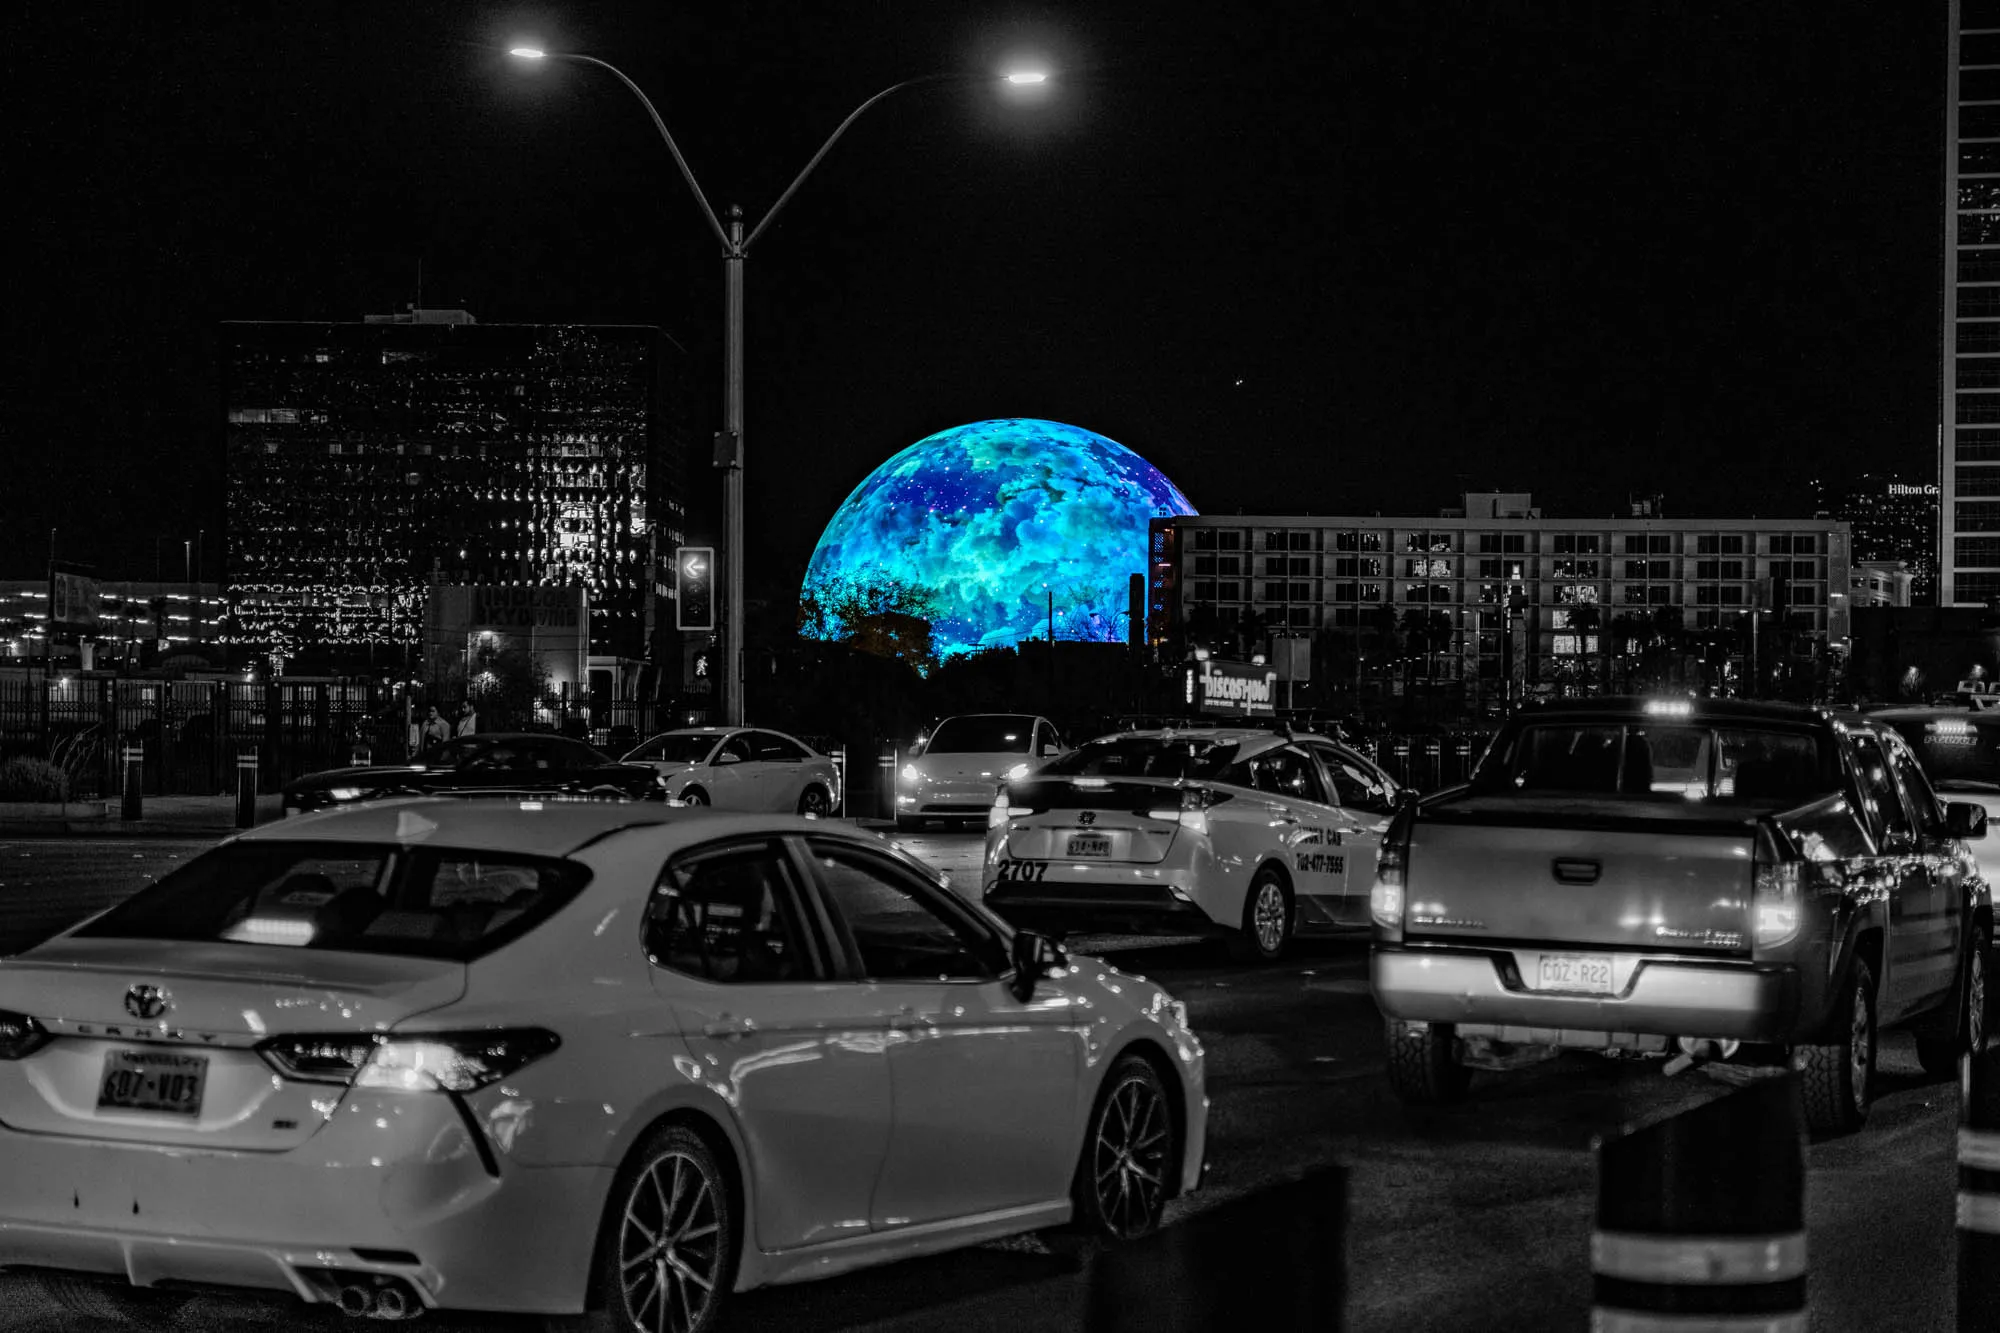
[246, 788]
[132, 802]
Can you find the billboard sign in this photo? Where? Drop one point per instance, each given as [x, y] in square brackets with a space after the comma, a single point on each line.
[73, 601]
[1232, 689]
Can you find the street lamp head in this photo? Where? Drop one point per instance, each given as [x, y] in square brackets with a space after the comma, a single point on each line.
[527, 52]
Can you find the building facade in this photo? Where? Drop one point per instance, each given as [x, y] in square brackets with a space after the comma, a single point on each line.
[1881, 583]
[1969, 433]
[126, 623]
[1894, 519]
[1497, 601]
[367, 462]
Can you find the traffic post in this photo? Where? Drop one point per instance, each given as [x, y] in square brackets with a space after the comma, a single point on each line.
[839, 757]
[1701, 1219]
[887, 766]
[246, 788]
[1979, 1191]
[360, 756]
[132, 805]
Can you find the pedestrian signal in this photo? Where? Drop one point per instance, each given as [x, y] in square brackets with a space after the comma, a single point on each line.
[694, 588]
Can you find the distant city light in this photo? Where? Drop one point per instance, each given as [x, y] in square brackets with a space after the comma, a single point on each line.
[1027, 76]
[528, 52]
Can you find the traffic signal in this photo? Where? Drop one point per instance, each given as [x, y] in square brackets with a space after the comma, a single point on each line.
[694, 588]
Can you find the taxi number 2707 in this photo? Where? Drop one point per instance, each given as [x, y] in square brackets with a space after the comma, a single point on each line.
[1022, 872]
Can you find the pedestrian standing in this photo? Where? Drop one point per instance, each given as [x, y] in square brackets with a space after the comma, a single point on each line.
[435, 727]
[468, 720]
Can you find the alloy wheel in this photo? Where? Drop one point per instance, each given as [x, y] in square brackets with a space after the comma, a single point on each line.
[1129, 1157]
[1862, 1046]
[1268, 918]
[814, 801]
[670, 1246]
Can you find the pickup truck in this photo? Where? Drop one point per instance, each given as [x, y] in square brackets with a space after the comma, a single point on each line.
[1762, 883]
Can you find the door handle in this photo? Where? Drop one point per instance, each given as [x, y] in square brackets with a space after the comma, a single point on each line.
[727, 1025]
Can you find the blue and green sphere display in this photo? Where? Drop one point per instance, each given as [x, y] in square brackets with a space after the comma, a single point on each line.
[986, 520]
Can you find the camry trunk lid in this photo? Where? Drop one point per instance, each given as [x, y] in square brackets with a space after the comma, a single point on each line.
[154, 1041]
[1567, 872]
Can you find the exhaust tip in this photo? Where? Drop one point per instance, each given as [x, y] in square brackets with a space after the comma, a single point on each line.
[391, 1303]
[356, 1299]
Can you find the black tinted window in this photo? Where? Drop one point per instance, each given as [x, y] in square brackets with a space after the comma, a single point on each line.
[772, 748]
[1132, 756]
[1880, 796]
[729, 916]
[996, 734]
[901, 935]
[430, 902]
[1665, 760]
[1955, 751]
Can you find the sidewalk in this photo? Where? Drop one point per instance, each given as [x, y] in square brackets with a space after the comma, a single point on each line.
[163, 817]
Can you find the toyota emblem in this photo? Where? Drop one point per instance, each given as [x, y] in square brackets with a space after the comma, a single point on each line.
[146, 1001]
[1087, 817]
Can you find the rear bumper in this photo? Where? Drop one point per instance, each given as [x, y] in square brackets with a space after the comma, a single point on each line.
[413, 1197]
[1661, 995]
[1087, 909]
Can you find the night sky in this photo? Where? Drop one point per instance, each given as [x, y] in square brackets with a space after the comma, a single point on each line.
[1301, 257]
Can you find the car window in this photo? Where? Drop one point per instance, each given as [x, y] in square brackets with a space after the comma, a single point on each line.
[1661, 761]
[357, 898]
[1288, 772]
[448, 754]
[1357, 784]
[738, 746]
[675, 748]
[1880, 796]
[995, 734]
[729, 915]
[1916, 787]
[900, 932]
[775, 749]
[1132, 756]
[1958, 754]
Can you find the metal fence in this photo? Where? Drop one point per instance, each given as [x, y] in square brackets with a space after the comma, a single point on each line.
[1427, 762]
[192, 730]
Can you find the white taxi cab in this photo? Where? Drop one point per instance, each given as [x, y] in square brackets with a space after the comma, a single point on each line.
[1248, 834]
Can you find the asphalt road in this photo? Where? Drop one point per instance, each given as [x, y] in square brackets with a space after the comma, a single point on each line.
[1475, 1218]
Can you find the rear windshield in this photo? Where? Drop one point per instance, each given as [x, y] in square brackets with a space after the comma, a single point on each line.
[982, 735]
[1675, 761]
[1957, 753]
[1139, 757]
[428, 902]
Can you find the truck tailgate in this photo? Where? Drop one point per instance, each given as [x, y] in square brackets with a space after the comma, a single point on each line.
[1667, 884]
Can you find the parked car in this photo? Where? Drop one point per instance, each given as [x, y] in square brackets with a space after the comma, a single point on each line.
[1248, 834]
[494, 763]
[742, 768]
[1959, 749]
[572, 1059]
[1768, 882]
[956, 771]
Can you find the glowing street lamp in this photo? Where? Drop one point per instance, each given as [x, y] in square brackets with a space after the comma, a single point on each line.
[735, 249]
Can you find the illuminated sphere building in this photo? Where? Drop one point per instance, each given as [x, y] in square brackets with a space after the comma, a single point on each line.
[989, 519]
[366, 461]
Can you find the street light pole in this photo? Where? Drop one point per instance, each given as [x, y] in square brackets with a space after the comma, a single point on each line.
[735, 250]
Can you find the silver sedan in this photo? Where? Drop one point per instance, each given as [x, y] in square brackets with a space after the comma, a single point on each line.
[742, 768]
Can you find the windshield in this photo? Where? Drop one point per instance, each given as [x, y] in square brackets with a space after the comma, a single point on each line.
[1139, 757]
[426, 902]
[1957, 753]
[994, 734]
[1661, 761]
[676, 747]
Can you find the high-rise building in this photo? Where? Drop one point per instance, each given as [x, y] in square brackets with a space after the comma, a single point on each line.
[1969, 434]
[368, 462]
[1894, 519]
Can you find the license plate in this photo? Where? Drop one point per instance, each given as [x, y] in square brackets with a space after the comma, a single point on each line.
[1088, 844]
[1587, 972]
[152, 1081]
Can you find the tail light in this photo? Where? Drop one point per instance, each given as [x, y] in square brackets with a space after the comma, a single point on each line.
[1001, 812]
[1385, 895]
[1191, 813]
[1776, 902]
[417, 1062]
[20, 1036]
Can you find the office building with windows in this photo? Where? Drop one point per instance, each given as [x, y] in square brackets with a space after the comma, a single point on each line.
[1498, 600]
[1894, 520]
[369, 462]
[1969, 435]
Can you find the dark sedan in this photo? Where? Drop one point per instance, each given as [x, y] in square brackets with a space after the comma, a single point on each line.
[498, 764]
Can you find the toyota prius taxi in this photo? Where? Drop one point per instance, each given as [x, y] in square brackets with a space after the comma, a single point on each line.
[608, 1062]
[1251, 835]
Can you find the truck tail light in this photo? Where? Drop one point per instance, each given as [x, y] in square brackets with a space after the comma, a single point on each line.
[1777, 902]
[1385, 896]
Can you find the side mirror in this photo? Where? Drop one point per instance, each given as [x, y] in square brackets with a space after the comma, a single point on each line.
[1049, 749]
[1965, 820]
[1034, 956]
[1405, 798]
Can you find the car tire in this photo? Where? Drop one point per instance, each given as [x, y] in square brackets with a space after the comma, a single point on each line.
[1837, 1078]
[675, 1174]
[1125, 1171]
[694, 796]
[1939, 1055]
[816, 800]
[111, 1301]
[1266, 927]
[1424, 1064]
